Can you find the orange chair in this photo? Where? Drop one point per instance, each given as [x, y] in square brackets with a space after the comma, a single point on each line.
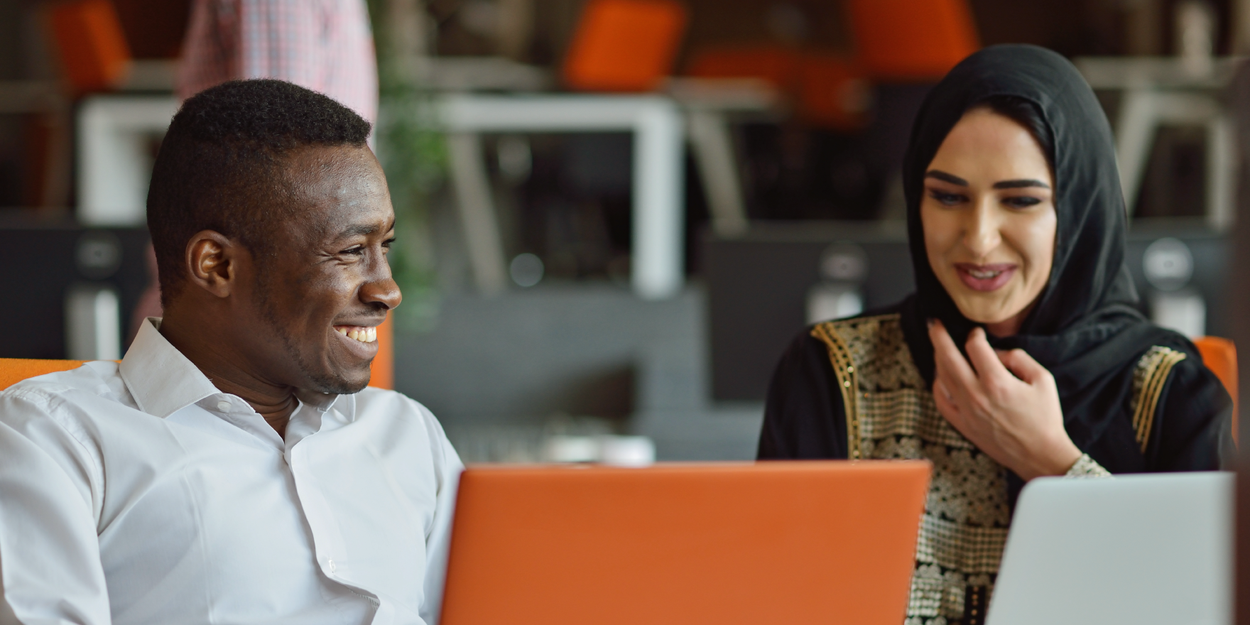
[14, 370]
[91, 44]
[911, 39]
[828, 89]
[1220, 356]
[624, 45]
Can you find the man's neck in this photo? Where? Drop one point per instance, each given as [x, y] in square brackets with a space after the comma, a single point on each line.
[226, 371]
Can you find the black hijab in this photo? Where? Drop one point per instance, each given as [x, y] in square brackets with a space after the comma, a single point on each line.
[1085, 328]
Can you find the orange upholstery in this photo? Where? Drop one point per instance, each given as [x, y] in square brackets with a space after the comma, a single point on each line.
[777, 65]
[912, 39]
[382, 373]
[90, 42]
[833, 92]
[624, 45]
[828, 89]
[1220, 356]
[14, 370]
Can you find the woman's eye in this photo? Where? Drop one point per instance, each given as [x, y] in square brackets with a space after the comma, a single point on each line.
[1021, 201]
[946, 199]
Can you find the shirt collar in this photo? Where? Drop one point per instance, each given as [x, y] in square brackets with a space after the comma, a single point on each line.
[159, 377]
[163, 381]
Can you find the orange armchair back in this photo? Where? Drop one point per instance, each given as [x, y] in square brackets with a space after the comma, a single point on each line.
[14, 370]
[1220, 356]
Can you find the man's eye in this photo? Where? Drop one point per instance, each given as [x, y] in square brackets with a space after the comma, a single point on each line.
[1023, 201]
[359, 250]
[947, 199]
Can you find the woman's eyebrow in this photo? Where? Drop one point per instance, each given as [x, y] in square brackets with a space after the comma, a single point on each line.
[1020, 184]
[945, 177]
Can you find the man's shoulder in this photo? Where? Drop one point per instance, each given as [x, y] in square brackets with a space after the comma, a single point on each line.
[96, 379]
[373, 397]
[375, 403]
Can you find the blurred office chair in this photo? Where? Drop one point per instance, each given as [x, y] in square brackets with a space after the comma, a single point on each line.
[624, 45]
[14, 370]
[826, 90]
[1220, 356]
[908, 40]
[91, 44]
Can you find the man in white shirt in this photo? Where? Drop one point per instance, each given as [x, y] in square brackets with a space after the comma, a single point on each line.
[233, 468]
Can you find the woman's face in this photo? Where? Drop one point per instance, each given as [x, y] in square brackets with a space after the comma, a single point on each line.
[989, 219]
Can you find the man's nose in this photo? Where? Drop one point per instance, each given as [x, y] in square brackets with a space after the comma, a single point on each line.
[981, 233]
[382, 289]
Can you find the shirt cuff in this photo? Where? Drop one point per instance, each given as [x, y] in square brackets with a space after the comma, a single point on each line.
[1087, 467]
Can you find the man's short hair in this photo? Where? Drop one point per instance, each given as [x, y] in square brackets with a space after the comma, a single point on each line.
[220, 165]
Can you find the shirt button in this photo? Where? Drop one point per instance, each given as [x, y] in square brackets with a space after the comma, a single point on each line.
[223, 406]
[330, 565]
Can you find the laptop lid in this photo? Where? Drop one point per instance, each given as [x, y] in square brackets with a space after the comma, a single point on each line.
[1139, 549]
[775, 542]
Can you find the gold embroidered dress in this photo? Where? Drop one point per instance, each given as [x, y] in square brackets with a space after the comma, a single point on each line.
[891, 415]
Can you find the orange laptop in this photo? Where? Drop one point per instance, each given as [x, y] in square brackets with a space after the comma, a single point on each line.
[775, 542]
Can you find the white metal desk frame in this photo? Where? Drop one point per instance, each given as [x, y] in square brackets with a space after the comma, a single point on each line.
[658, 181]
[1159, 91]
[113, 164]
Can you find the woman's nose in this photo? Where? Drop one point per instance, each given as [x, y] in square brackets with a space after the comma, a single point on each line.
[981, 234]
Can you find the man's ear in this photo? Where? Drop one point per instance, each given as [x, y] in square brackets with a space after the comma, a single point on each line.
[212, 262]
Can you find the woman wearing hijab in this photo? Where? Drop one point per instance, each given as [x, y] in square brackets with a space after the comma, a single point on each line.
[1021, 353]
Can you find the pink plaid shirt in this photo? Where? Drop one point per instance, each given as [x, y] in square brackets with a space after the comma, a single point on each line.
[324, 45]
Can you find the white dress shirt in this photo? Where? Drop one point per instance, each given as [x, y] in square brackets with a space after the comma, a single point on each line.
[139, 493]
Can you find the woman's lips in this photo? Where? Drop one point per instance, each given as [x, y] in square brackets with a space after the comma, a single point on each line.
[985, 277]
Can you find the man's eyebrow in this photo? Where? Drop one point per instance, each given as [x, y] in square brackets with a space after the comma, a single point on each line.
[361, 230]
[945, 177]
[1020, 184]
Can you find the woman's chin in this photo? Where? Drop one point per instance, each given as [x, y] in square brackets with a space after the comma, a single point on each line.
[997, 322]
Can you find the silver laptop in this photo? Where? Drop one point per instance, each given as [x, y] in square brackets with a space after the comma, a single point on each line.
[1141, 549]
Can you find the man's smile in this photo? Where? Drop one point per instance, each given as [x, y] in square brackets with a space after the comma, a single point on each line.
[362, 334]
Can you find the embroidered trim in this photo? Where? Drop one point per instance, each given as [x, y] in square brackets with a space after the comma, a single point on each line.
[848, 382]
[891, 415]
[1086, 467]
[1148, 380]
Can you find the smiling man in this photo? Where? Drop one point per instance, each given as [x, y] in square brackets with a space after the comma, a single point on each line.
[233, 468]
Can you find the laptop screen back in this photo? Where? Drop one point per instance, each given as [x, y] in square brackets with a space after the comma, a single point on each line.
[1142, 549]
[781, 542]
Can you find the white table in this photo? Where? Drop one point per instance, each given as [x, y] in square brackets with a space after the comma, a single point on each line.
[1158, 91]
[658, 181]
[114, 165]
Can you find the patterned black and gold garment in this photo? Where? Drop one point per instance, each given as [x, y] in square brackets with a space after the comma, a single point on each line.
[1135, 397]
[871, 395]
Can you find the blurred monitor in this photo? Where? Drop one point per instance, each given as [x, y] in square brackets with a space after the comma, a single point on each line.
[765, 286]
[50, 263]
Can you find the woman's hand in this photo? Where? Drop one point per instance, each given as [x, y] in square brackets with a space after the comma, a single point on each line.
[1004, 402]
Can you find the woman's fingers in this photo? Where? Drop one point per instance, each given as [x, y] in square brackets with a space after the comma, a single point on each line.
[1022, 365]
[987, 364]
[945, 403]
[947, 358]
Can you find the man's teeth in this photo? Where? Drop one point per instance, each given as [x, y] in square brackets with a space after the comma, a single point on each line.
[986, 274]
[364, 335]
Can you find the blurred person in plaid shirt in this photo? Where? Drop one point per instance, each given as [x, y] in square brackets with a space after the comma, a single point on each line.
[323, 45]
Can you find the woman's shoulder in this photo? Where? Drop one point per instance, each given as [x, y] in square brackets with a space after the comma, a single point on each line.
[872, 346]
[869, 326]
